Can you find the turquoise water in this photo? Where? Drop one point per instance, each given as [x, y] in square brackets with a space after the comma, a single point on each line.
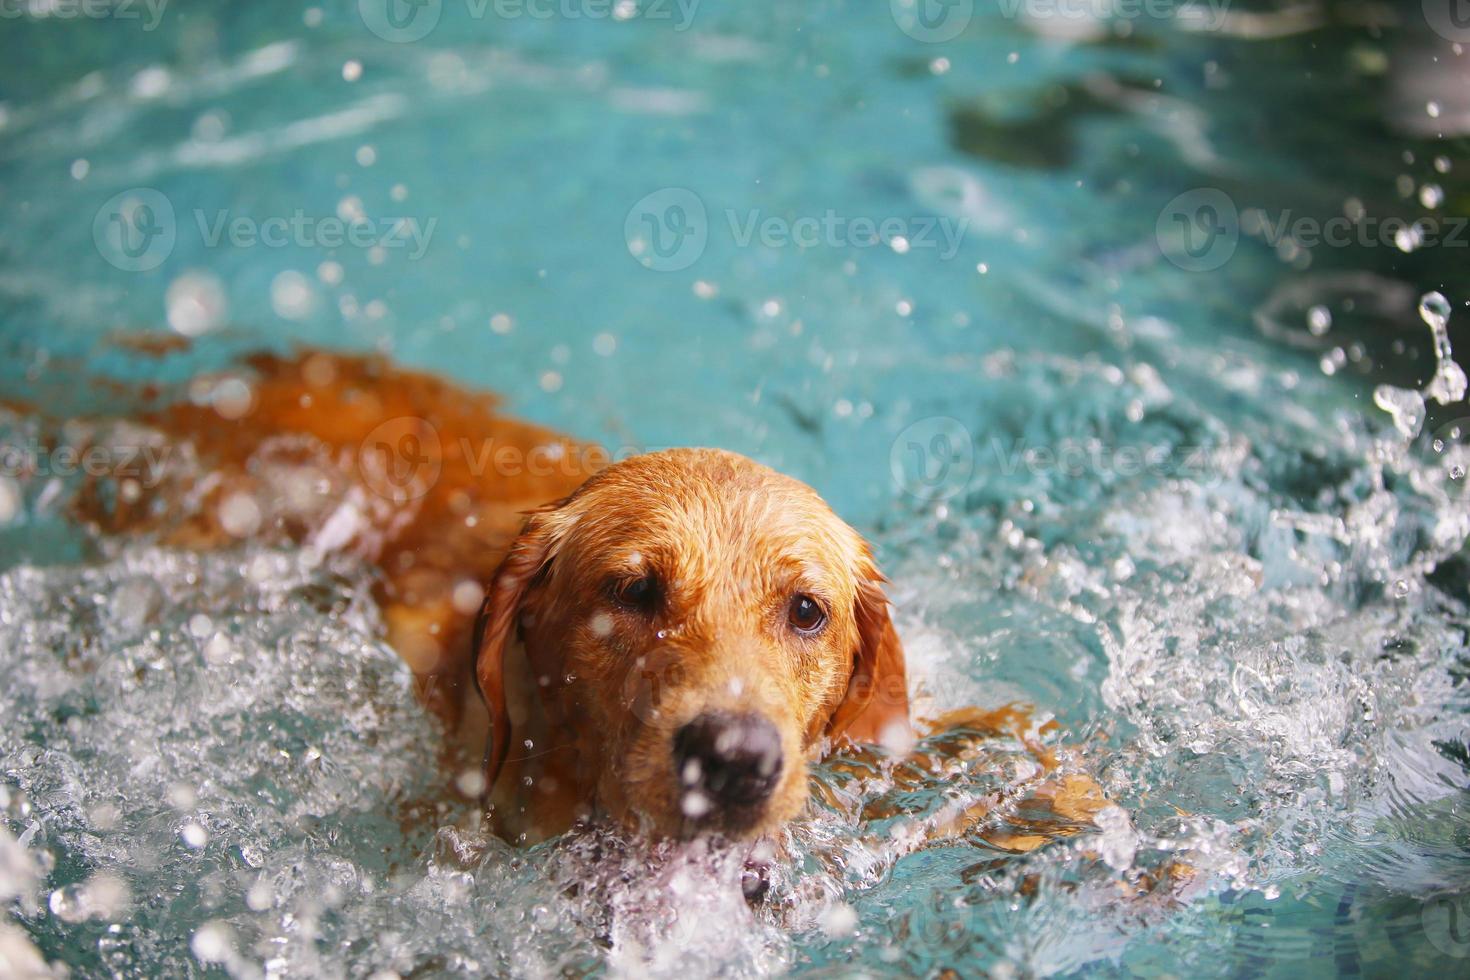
[1118, 466]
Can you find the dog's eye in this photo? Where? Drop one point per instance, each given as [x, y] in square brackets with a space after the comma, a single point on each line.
[636, 593]
[805, 614]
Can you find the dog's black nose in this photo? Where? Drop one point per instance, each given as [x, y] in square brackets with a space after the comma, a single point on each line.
[726, 762]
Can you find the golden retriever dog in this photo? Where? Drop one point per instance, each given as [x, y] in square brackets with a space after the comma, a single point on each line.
[666, 641]
[693, 628]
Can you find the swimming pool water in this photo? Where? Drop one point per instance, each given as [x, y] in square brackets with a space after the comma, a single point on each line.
[1019, 303]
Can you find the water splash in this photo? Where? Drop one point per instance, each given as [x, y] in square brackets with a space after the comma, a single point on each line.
[1265, 696]
[1448, 383]
[1405, 407]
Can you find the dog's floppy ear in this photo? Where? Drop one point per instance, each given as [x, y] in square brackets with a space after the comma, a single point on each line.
[875, 708]
[522, 567]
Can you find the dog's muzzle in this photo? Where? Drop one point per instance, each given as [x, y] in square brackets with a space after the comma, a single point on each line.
[727, 765]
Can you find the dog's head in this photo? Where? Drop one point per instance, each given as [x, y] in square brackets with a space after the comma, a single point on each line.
[700, 626]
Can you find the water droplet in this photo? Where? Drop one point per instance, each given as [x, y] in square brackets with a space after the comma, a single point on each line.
[838, 919]
[291, 295]
[232, 398]
[195, 303]
[1435, 309]
[213, 943]
[239, 515]
[694, 804]
[467, 597]
[1449, 383]
[470, 782]
[1319, 320]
